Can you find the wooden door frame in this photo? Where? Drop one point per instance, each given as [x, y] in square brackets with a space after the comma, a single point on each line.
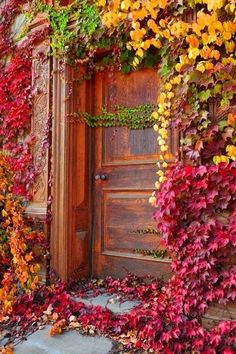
[71, 208]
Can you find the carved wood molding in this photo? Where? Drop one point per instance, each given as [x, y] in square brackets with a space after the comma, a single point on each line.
[39, 127]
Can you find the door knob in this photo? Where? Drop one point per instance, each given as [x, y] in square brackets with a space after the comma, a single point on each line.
[102, 177]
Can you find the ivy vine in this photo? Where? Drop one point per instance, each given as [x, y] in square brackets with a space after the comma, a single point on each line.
[154, 253]
[138, 117]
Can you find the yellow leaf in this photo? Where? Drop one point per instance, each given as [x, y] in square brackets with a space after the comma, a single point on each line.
[136, 5]
[219, 41]
[231, 119]
[153, 26]
[216, 54]
[146, 45]
[200, 67]
[164, 164]
[162, 98]
[227, 36]
[214, 4]
[168, 86]
[140, 14]
[162, 3]
[164, 148]
[156, 128]
[193, 53]
[229, 46]
[125, 5]
[209, 65]
[4, 213]
[205, 52]
[140, 52]
[156, 42]
[101, 2]
[166, 34]
[193, 41]
[155, 115]
[178, 67]
[176, 80]
[162, 179]
[221, 158]
[28, 257]
[231, 151]
[152, 199]
[162, 23]
[135, 61]
[170, 95]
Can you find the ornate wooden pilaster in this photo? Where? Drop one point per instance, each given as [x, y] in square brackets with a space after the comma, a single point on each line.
[40, 128]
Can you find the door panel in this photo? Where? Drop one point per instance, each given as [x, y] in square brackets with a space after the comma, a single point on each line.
[127, 158]
[124, 212]
[122, 144]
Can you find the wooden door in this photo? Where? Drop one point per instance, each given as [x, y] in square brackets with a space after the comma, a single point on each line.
[127, 158]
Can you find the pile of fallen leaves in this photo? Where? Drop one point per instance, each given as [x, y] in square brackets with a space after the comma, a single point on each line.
[155, 325]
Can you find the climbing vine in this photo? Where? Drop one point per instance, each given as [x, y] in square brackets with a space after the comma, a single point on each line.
[138, 117]
[19, 268]
[197, 70]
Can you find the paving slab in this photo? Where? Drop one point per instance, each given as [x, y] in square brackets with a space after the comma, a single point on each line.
[113, 302]
[3, 338]
[71, 342]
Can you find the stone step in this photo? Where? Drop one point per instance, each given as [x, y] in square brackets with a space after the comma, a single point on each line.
[114, 303]
[71, 342]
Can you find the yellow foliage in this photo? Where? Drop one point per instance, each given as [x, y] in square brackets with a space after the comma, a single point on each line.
[231, 151]
[201, 67]
[155, 115]
[230, 46]
[153, 26]
[207, 40]
[231, 119]
[220, 158]
[101, 2]
[193, 41]
[214, 4]
[140, 14]
[205, 52]
[193, 53]
[140, 52]
[209, 65]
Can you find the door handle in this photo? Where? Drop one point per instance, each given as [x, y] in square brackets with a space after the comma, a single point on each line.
[101, 177]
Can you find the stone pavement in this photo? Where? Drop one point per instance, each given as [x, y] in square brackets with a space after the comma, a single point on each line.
[72, 342]
[113, 302]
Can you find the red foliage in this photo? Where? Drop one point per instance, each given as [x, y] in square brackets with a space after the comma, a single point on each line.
[157, 323]
[15, 98]
[17, 172]
[196, 217]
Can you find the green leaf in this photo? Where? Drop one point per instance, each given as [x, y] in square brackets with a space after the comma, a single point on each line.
[222, 124]
[125, 68]
[204, 95]
[217, 88]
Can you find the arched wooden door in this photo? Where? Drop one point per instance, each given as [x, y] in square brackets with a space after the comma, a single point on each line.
[127, 158]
